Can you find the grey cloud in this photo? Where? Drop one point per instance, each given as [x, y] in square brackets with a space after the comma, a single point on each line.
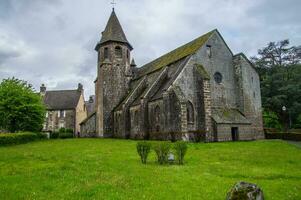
[53, 40]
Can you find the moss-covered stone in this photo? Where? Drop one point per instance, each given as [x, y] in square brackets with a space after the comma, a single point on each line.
[245, 191]
[200, 69]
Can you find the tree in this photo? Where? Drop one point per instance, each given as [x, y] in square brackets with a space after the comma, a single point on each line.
[279, 67]
[21, 109]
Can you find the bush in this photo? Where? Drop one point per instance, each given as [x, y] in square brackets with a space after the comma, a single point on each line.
[180, 148]
[283, 136]
[54, 135]
[64, 135]
[18, 138]
[162, 150]
[42, 135]
[143, 149]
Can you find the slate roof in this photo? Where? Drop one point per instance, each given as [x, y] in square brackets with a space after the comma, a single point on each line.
[61, 99]
[113, 32]
[175, 60]
[175, 55]
[229, 116]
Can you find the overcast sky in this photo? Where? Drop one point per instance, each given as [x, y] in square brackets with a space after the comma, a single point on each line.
[52, 41]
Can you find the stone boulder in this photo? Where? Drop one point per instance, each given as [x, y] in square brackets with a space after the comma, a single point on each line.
[245, 191]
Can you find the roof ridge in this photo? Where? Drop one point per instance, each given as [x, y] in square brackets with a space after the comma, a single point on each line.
[61, 90]
[174, 55]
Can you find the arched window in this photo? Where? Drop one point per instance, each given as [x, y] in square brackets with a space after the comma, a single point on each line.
[106, 53]
[127, 54]
[157, 114]
[190, 113]
[118, 52]
[218, 77]
[136, 117]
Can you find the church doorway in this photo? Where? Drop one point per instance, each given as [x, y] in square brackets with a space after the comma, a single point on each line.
[234, 131]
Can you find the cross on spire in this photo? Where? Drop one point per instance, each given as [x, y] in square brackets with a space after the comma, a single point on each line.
[113, 4]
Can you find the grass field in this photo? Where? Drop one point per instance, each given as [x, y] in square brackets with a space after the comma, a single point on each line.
[111, 169]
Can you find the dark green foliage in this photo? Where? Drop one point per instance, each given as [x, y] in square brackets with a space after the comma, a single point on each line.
[21, 109]
[162, 150]
[69, 130]
[284, 136]
[19, 138]
[41, 135]
[65, 130]
[279, 67]
[143, 149]
[271, 120]
[65, 135]
[54, 135]
[180, 148]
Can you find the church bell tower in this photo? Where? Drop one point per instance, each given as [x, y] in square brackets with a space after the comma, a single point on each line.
[113, 74]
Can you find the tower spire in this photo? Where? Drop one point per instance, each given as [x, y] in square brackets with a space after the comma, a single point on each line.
[113, 32]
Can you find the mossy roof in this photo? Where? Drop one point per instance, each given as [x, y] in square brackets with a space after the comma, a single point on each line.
[175, 55]
[229, 116]
[200, 69]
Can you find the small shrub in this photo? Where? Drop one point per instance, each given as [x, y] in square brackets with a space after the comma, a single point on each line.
[162, 150]
[69, 130]
[64, 135]
[54, 135]
[17, 138]
[62, 130]
[143, 149]
[180, 148]
[42, 135]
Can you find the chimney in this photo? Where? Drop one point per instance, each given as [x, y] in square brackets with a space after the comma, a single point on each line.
[80, 87]
[42, 89]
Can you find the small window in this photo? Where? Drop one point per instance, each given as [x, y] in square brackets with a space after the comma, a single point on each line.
[209, 50]
[190, 113]
[106, 53]
[136, 117]
[254, 94]
[118, 52]
[218, 77]
[157, 114]
[128, 54]
[61, 113]
[252, 79]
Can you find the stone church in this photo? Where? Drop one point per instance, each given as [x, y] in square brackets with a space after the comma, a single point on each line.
[200, 87]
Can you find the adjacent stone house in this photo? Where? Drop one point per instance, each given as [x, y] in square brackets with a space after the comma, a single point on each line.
[198, 87]
[65, 109]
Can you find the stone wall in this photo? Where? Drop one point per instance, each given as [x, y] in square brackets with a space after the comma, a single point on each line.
[225, 134]
[88, 127]
[81, 113]
[135, 129]
[114, 74]
[53, 122]
[249, 95]
[219, 60]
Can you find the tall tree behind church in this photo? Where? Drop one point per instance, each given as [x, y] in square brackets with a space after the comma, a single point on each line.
[279, 66]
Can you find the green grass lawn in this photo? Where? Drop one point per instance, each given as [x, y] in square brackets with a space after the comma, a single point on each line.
[111, 169]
